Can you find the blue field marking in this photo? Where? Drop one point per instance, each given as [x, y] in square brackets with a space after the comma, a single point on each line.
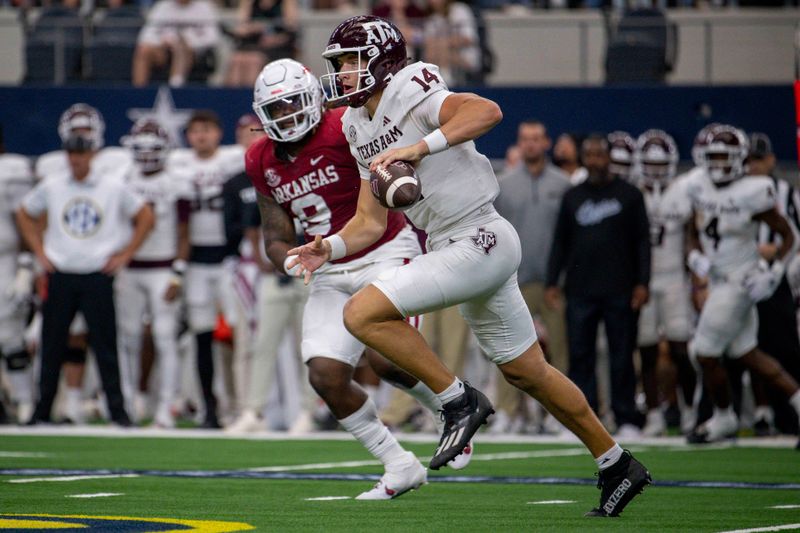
[244, 474]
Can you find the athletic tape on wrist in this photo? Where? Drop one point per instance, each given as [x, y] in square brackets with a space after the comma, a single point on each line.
[436, 141]
[338, 247]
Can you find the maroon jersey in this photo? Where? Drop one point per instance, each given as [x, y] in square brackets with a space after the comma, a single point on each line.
[320, 186]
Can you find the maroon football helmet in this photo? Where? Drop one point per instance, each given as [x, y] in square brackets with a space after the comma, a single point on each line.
[725, 153]
[380, 50]
[149, 143]
[656, 157]
[700, 143]
[621, 148]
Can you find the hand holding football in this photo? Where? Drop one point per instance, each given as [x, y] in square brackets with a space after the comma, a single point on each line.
[396, 185]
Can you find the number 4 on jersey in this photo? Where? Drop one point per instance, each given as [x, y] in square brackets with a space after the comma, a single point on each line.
[429, 78]
[712, 232]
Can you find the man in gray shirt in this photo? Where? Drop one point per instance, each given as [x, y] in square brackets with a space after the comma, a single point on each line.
[530, 197]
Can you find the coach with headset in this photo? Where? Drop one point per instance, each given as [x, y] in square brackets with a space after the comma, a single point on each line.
[94, 226]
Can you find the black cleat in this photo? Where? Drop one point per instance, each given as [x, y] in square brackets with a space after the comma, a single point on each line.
[462, 418]
[619, 484]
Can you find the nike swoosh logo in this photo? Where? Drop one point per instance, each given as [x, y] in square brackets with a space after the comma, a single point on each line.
[315, 160]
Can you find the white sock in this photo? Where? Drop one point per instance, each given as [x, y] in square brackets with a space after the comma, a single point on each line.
[609, 458]
[455, 390]
[367, 428]
[424, 395]
[764, 412]
[73, 403]
[795, 401]
[21, 384]
[727, 412]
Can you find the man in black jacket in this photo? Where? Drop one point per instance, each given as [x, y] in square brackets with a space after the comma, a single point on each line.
[602, 243]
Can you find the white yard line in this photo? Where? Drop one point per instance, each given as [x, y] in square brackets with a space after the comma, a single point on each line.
[783, 527]
[477, 457]
[785, 507]
[70, 478]
[552, 502]
[34, 455]
[95, 495]
[328, 498]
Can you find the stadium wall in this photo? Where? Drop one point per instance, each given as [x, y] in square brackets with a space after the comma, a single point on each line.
[30, 115]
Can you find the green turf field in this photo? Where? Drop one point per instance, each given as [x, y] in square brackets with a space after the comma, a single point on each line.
[239, 481]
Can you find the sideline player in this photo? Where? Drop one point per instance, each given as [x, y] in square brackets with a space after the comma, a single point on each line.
[405, 112]
[152, 281]
[729, 207]
[668, 312]
[16, 284]
[304, 171]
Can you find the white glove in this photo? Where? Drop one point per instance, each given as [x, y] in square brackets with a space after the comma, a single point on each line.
[699, 263]
[21, 289]
[761, 282]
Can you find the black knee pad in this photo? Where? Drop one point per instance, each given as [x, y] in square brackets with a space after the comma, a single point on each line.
[75, 355]
[17, 361]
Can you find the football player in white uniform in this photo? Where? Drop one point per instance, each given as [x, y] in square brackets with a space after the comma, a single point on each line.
[405, 112]
[728, 208]
[152, 280]
[16, 273]
[667, 314]
[206, 167]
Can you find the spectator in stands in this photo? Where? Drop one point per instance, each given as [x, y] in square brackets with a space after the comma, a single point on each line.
[602, 228]
[176, 34]
[530, 197]
[451, 41]
[777, 320]
[409, 17]
[82, 253]
[565, 157]
[266, 30]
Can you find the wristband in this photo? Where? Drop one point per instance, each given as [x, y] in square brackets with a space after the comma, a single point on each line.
[436, 141]
[179, 267]
[338, 246]
[290, 271]
[25, 260]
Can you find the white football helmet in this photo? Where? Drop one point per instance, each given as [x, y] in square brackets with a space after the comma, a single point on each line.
[621, 148]
[656, 157]
[725, 153]
[287, 98]
[83, 117]
[149, 143]
[700, 143]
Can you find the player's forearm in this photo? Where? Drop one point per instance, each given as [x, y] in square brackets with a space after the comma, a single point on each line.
[361, 232]
[472, 119]
[184, 246]
[30, 232]
[144, 221]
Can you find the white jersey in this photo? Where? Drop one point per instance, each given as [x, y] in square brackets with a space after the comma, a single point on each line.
[725, 220]
[455, 182]
[205, 178]
[16, 179]
[162, 192]
[112, 160]
[88, 221]
[666, 211]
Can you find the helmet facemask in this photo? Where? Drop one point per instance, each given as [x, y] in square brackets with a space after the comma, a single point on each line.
[85, 121]
[656, 158]
[149, 144]
[287, 101]
[365, 80]
[725, 154]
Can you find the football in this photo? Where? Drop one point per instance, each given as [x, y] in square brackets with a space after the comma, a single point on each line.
[396, 185]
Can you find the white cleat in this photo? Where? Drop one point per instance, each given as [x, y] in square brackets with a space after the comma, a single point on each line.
[463, 459]
[164, 418]
[248, 422]
[656, 424]
[406, 476]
